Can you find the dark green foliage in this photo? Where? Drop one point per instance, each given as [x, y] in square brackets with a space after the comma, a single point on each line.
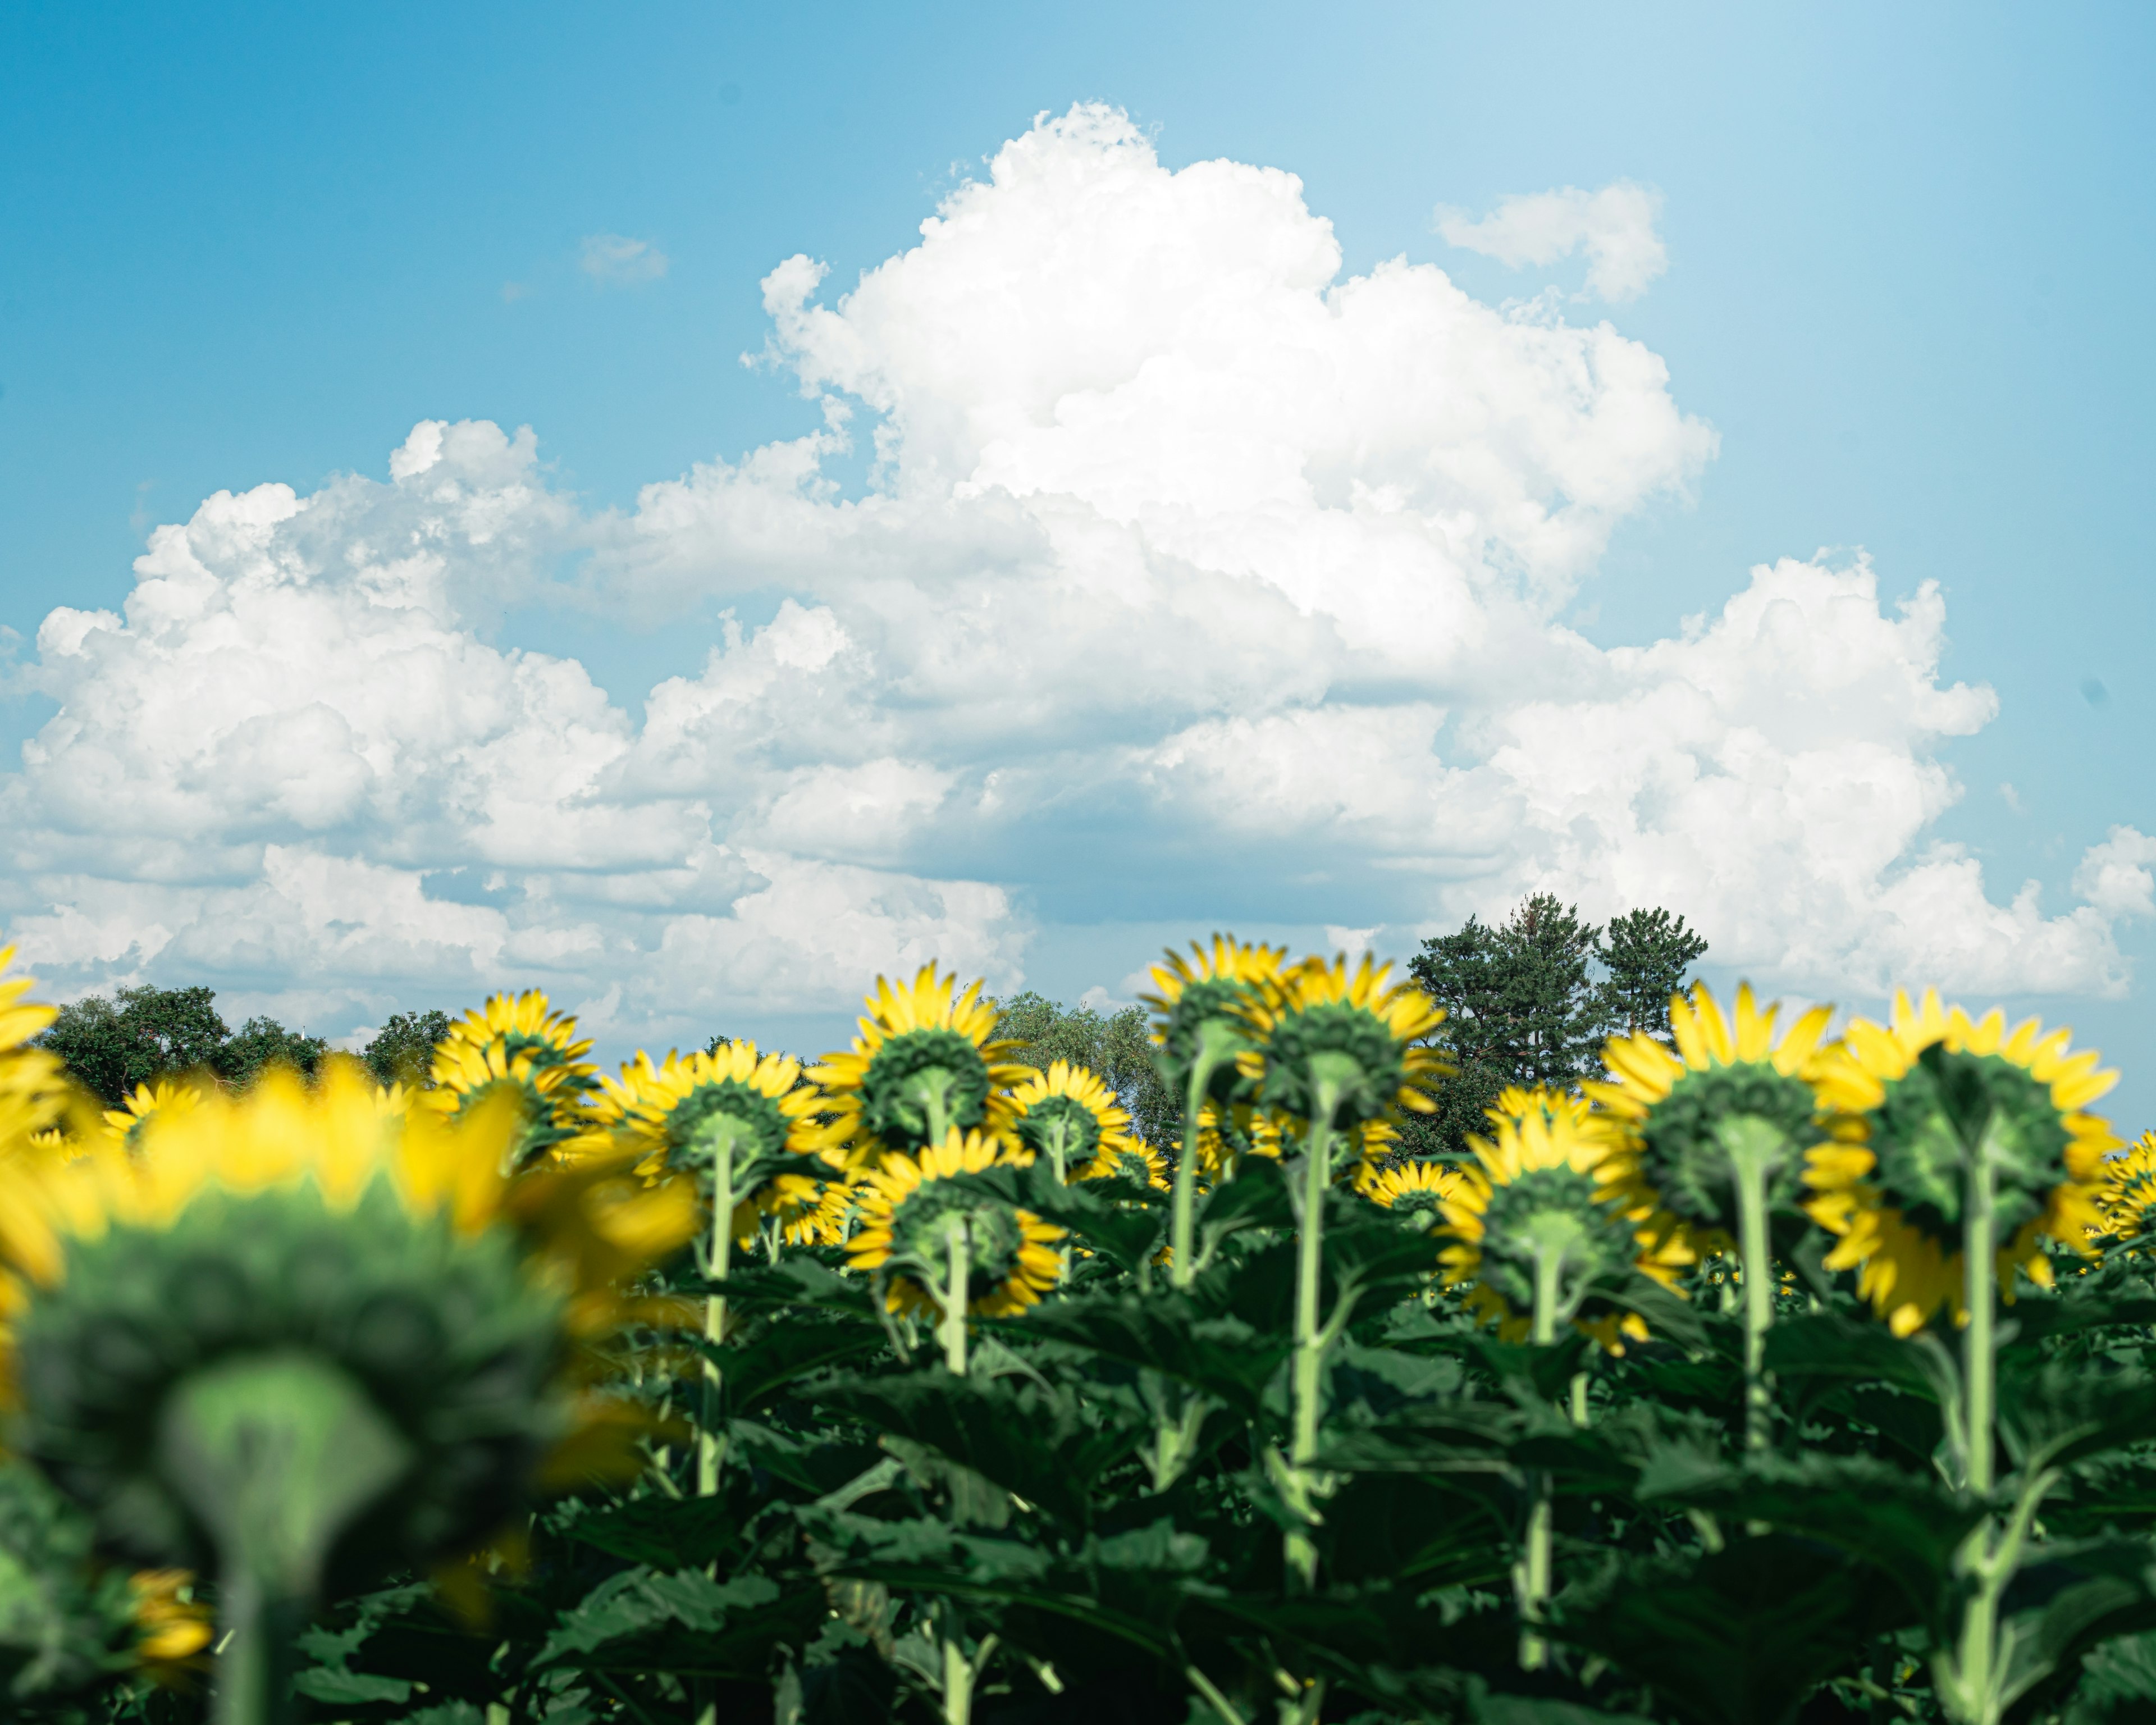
[1117, 1047]
[263, 1042]
[66, 1621]
[1647, 954]
[403, 1048]
[112, 1045]
[1530, 1001]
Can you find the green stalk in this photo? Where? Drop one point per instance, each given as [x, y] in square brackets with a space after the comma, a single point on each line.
[711, 1444]
[1531, 1580]
[1309, 1273]
[959, 1274]
[1755, 1252]
[276, 1455]
[958, 1684]
[1980, 1353]
[1182, 1217]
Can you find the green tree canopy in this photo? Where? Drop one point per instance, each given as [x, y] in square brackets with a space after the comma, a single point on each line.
[112, 1045]
[1530, 1001]
[1117, 1047]
[403, 1048]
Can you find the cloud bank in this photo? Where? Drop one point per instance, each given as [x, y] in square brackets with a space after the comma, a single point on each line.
[1193, 583]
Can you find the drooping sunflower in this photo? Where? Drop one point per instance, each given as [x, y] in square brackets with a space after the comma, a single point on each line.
[1071, 1118]
[913, 1212]
[925, 1064]
[1136, 1161]
[2126, 1198]
[1346, 1044]
[297, 1331]
[1913, 1096]
[124, 1125]
[518, 1045]
[1729, 1105]
[1540, 1214]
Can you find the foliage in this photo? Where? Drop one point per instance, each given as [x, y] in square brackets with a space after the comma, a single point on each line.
[1525, 1006]
[140, 1035]
[403, 1048]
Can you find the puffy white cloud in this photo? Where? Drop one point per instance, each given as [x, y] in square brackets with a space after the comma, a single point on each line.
[614, 259]
[1614, 227]
[1194, 581]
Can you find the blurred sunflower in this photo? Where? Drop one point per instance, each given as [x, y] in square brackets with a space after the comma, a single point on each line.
[1917, 1097]
[518, 1045]
[124, 1125]
[1321, 1032]
[1136, 1161]
[1730, 1106]
[1068, 1116]
[916, 1220]
[1515, 1102]
[924, 1066]
[1541, 1213]
[2127, 1196]
[360, 1335]
[35, 1093]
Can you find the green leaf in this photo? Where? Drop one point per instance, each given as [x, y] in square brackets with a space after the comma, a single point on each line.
[1738, 1638]
[646, 1619]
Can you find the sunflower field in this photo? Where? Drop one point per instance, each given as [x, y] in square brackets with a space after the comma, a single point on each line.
[1769, 1378]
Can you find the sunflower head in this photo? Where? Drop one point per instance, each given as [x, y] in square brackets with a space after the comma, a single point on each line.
[516, 1045]
[924, 1064]
[682, 1114]
[912, 1209]
[1347, 1044]
[35, 1093]
[124, 1125]
[300, 1297]
[1535, 1220]
[1198, 1011]
[1415, 1192]
[1730, 1093]
[1920, 1100]
[1069, 1116]
[2127, 1197]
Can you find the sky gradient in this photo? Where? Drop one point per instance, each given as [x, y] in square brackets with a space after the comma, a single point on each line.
[1905, 259]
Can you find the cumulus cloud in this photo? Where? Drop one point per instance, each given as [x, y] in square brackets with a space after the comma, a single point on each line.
[614, 259]
[1614, 227]
[1194, 581]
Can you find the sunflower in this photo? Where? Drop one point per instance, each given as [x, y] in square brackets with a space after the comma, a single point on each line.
[519, 1044]
[1415, 1191]
[124, 1125]
[1913, 1096]
[1136, 1161]
[1198, 1010]
[924, 1066]
[1069, 1116]
[1321, 1031]
[35, 1093]
[1541, 1213]
[915, 1221]
[2128, 1197]
[295, 1332]
[1250, 1132]
[1728, 1106]
[1515, 1102]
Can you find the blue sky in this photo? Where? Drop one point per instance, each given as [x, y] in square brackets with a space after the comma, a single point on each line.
[1906, 253]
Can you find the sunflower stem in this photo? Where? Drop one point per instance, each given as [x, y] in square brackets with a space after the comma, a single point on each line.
[1755, 1247]
[255, 1672]
[1183, 1218]
[718, 1259]
[1531, 1579]
[959, 1275]
[1309, 1336]
[1979, 1354]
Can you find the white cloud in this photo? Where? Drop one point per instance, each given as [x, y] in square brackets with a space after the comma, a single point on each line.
[618, 260]
[1195, 584]
[1614, 227]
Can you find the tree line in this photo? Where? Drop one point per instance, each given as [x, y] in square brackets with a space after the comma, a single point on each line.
[1528, 1000]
